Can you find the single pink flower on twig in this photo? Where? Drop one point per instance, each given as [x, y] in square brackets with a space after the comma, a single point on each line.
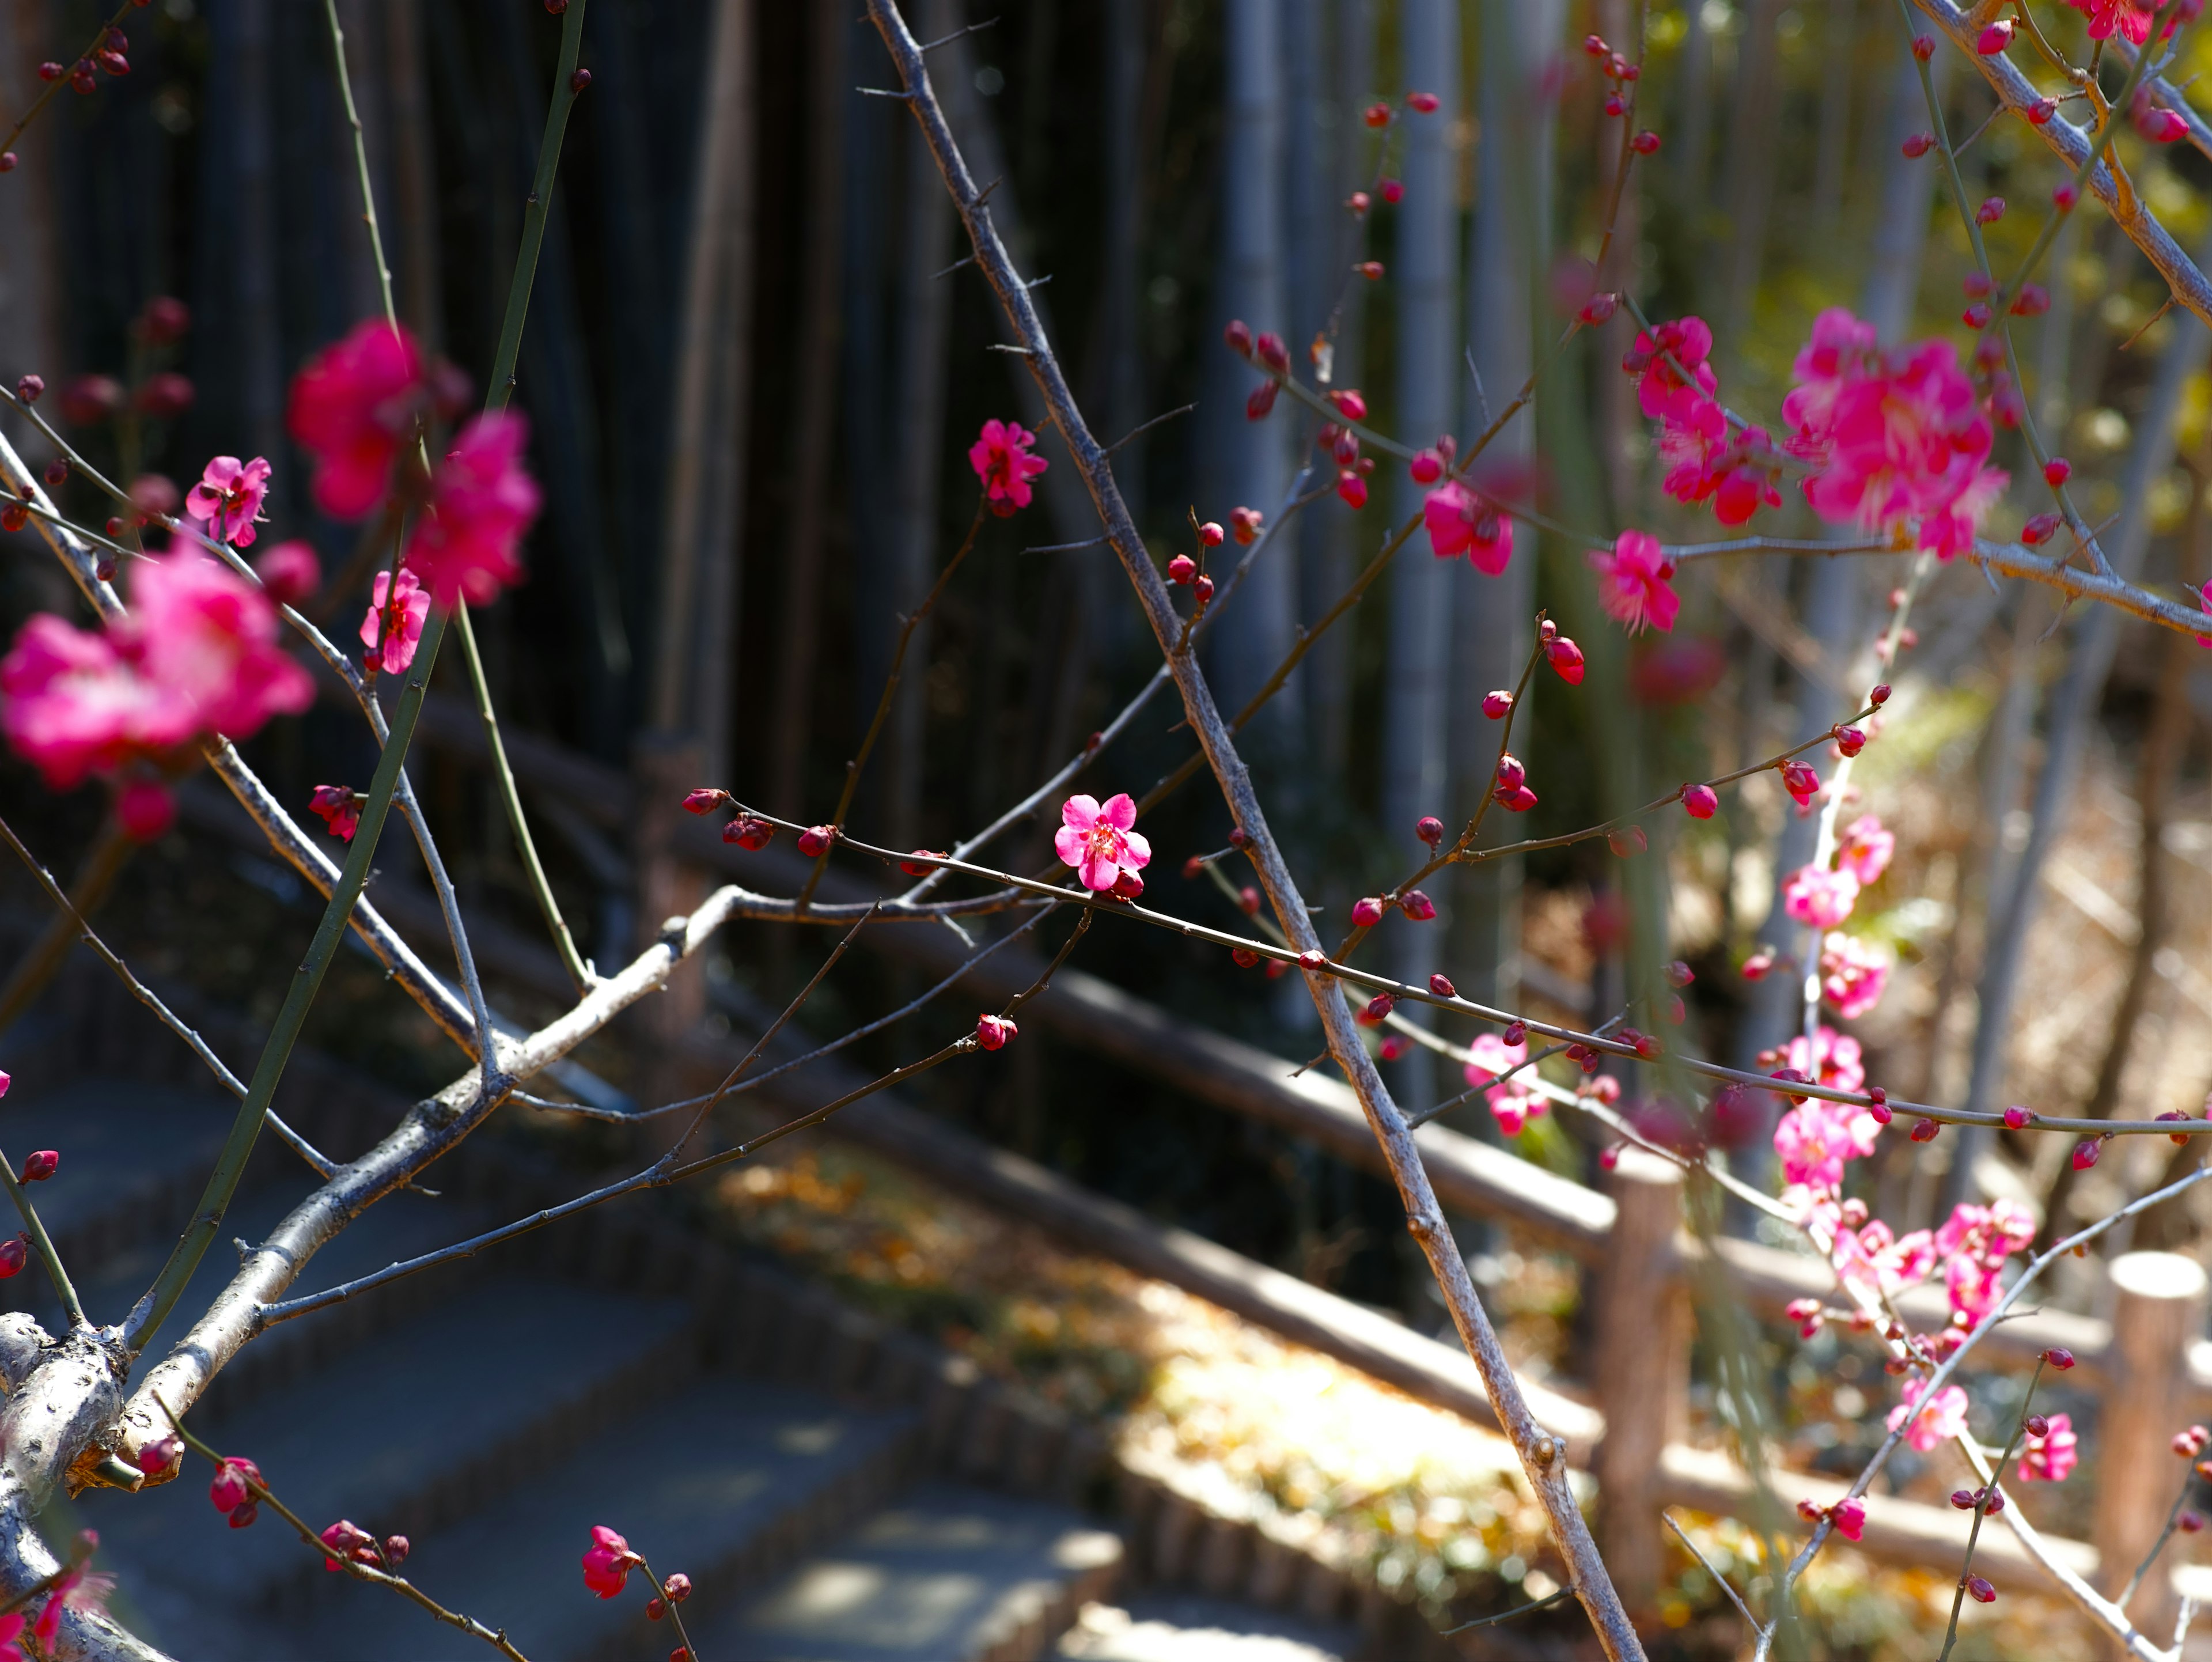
[228, 498]
[352, 407]
[1004, 461]
[399, 623]
[608, 1562]
[1819, 897]
[1636, 584]
[1938, 1421]
[1097, 841]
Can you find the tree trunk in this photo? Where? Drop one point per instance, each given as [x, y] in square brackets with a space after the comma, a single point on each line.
[1252, 460]
[2073, 707]
[814, 420]
[1417, 710]
[700, 554]
[1510, 245]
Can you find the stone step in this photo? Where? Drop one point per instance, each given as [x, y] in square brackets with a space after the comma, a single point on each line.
[727, 1482]
[1190, 1628]
[945, 1573]
[451, 1409]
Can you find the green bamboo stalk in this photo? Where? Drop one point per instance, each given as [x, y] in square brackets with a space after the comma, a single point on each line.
[534, 212]
[230, 1165]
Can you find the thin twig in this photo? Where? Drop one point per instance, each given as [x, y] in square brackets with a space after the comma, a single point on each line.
[1667, 1519]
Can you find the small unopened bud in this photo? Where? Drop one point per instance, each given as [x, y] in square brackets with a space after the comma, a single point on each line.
[1181, 569]
[920, 863]
[1210, 535]
[1924, 1130]
[1700, 802]
[704, 800]
[814, 839]
[2059, 1357]
[243, 1514]
[1313, 958]
[1367, 911]
[1645, 143]
[654, 1609]
[1441, 985]
[1242, 957]
[2189, 1522]
[579, 80]
[2162, 126]
[1851, 740]
[1430, 829]
[1425, 103]
[1566, 658]
[2056, 472]
[2016, 1118]
[1978, 1589]
[1248, 901]
[29, 387]
[1599, 307]
[1963, 1499]
[2085, 1153]
[1244, 524]
[1991, 210]
[160, 1454]
[1517, 1034]
[2036, 1426]
[1975, 316]
[677, 1587]
[1262, 401]
[1238, 335]
[13, 1255]
[1379, 1008]
[1418, 906]
[1496, 704]
[1880, 696]
[1202, 586]
[1996, 37]
[42, 1164]
[1924, 46]
[1627, 842]
[2065, 195]
[750, 832]
[1918, 145]
[1239, 838]
[56, 472]
[395, 1551]
[1679, 974]
[1273, 353]
[993, 1032]
[1128, 885]
[1369, 268]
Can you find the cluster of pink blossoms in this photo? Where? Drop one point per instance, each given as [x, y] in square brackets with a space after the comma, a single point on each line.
[1514, 1103]
[2132, 18]
[1675, 387]
[196, 656]
[1900, 441]
[1853, 971]
[357, 408]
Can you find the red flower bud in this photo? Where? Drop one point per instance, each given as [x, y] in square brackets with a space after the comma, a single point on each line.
[1238, 837]
[14, 1253]
[1202, 586]
[2189, 1522]
[705, 801]
[1626, 841]
[2040, 529]
[1369, 268]
[2085, 1153]
[1924, 1130]
[1441, 985]
[1978, 1589]
[1963, 1499]
[2036, 1426]
[1181, 569]
[2065, 195]
[2033, 301]
[1700, 802]
[1210, 535]
[41, 1165]
[1379, 1007]
[1262, 401]
[1244, 526]
[993, 1032]
[1367, 912]
[1996, 37]
[2056, 472]
[29, 387]
[1496, 704]
[1238, 335]
[1917, 146]
[1991, 211]
[1376, 115]
[1422, 101]
[1566, 658]
[1880, 696]
[920, 865]
[750, 832]
[2015, 1118]
[1645, 143]
[1349, 404]
[1430, 829]
[1924, 46]
[814, 839]
[1851, 740]
[2059, 1357]
[1127, 885]
[1273, 353]
[1313, 958]
[1244, 956]
[1975, 316]
[1418, 906]
[1517, 1034]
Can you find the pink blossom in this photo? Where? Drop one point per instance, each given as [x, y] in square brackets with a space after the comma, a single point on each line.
[1941, 1418]
[1865, 849]
[203, 632]
[1974, 1243]
[77, 1589]
[1853, 973]
[228, 497]
[290, 572]
[228, 1490]
[1636, 581]
[482, 501]
[337, 807]
[1460, 521]
[1002, 459]
[1661, 391]
[1097, 841]
[1704, 462]
[11, 1628]
[1816, 895]
[1880, 1263]
[1813, 1140]
[401, 622]
[145, 809]
[1514, 1102]
[71, 704]
[1849, 1514]
[2048, 1458]
[2132, 18]
[1832, 1059]
[1899, 439]
[352, 407]
[198, 655]
[607, 1561]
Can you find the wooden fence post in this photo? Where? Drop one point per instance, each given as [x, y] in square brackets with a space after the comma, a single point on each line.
[1641, 1369]
[2158, 1308]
